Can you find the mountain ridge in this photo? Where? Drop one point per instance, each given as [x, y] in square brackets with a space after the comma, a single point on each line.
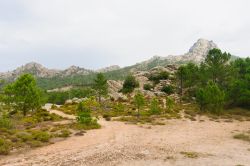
[196, 54]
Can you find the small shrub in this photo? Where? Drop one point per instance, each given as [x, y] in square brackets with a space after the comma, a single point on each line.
[64, 133]
[4, 147]
[168, 89]
[147, 87]
[92, 125]
[41, 136]
[5, 123]
[190, 154]
[53, 106]
[154, 107]
[107, 117]
[84, 118]
[243, 137]
[129, 84]
[35, 143]
[24, 136]
[169, 104]
[29, 121]
[119, 107]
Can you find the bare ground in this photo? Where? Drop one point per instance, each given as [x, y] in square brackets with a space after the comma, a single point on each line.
[117, 143]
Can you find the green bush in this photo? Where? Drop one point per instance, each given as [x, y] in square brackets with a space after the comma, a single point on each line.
[64, 133]
[154, 107]
[119, 107]
[129, 84]
[61, 97]
[210, 98]
[29, 121]
[5, 123]
[84, 113]
[24, 136]
[168, 89]
[169, 103]
[156, 77]
[147, 87]
[106, 117]
[4, 147]
[41, 136]
[53, 106]
[35, 143]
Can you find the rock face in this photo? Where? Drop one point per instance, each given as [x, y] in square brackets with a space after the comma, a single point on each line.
[114, 88]
[197, 53]
[143, 78]
[75, 70]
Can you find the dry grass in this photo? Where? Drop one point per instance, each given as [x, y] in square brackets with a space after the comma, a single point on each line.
[243, 136]
[190, 154]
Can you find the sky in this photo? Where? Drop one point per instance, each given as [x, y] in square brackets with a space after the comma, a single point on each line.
[98, 33]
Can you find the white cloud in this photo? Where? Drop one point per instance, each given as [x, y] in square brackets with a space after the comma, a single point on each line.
[97, 33]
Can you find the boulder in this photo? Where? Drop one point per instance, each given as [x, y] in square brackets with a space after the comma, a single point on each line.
[114, 88]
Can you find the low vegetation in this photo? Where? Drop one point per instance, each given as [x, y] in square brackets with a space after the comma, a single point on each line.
[243, 136]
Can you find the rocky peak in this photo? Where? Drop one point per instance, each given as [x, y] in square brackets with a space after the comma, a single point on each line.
[33, 64]
[75, 70]
[200, 48]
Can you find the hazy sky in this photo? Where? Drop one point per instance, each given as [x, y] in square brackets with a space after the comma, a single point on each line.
[98, 33]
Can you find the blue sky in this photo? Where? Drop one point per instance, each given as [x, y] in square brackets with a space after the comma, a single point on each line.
[97, 33]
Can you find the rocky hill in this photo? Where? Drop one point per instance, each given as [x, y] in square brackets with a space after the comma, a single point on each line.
[42, 72]
[196, 54]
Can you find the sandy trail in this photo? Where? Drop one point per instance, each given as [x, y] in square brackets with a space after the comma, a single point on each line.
[117, 143]
[60, 113]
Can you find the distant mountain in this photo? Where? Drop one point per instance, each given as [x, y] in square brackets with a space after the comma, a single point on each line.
[42, 72]
[77, 75]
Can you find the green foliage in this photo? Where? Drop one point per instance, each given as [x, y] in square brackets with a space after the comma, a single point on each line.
[119, 107]
[41, 136]
[5, 122]
[23, 95]
[187, 76]
[168, 89]
[101, 86]
[154, 107]
[231, 78]
[147, 87]
[129, 84]
[61, 97]
[169, 104]
[84, 116]
[239, 89]
[211, 98]
[64, 133]
[156, 77]
[217, 67]
[139, 102]
[4, 147]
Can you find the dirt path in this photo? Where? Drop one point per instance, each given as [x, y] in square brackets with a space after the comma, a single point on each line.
[60, 113]
[118, 143]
